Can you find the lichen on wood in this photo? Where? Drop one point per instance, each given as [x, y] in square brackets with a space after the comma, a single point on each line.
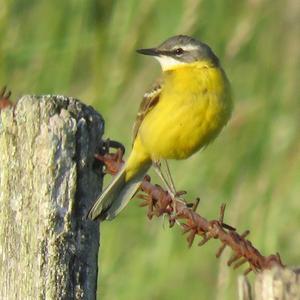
[48, 250]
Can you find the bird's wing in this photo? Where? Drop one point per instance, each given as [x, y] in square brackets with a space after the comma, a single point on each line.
[150, 99]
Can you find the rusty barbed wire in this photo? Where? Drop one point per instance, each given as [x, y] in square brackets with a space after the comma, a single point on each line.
[4, 98]
[159, 202]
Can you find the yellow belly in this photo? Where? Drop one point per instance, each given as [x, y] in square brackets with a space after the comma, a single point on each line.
[194, 106]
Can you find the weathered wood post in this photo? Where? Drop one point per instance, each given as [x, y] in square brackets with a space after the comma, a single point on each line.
[275, 284]
[48, 250]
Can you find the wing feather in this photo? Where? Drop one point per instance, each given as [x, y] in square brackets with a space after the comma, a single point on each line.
[150, 99]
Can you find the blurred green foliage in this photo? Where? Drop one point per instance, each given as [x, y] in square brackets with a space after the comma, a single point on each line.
[86, 49]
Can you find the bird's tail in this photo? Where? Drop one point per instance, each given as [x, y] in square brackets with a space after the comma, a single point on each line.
[123, 187]
[115, 197]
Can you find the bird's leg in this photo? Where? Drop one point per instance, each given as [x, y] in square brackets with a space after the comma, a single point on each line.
[169, 183]
[158, 170]
[170, 179]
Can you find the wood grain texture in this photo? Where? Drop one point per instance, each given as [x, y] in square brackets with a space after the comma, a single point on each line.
[275, 284]
[48, 250]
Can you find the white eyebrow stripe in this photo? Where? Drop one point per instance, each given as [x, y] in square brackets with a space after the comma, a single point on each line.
[190, 47]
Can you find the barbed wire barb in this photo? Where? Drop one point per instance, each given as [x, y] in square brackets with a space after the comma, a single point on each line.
[160, 203]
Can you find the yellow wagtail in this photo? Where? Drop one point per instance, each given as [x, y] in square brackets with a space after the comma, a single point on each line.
[183, 112]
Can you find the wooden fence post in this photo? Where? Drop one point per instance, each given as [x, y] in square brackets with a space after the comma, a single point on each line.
[48, 250]
[275, 284]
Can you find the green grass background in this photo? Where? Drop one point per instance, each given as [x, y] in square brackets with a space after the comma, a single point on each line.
[86, 49]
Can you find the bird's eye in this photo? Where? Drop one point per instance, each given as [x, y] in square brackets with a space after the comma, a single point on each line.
[179, 51]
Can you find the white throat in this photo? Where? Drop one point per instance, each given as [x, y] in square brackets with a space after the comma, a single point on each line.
[168, 63]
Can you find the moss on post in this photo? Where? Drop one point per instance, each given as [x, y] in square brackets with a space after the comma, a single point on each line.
[47, 184]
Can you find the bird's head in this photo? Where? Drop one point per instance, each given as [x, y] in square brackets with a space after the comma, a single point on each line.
[181, 50]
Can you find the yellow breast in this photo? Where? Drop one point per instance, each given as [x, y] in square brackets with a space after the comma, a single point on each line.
[194, 105]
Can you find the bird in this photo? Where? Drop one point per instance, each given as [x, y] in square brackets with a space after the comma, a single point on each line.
[183, 112]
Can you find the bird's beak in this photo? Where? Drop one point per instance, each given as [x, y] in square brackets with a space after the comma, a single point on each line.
[149, 51]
